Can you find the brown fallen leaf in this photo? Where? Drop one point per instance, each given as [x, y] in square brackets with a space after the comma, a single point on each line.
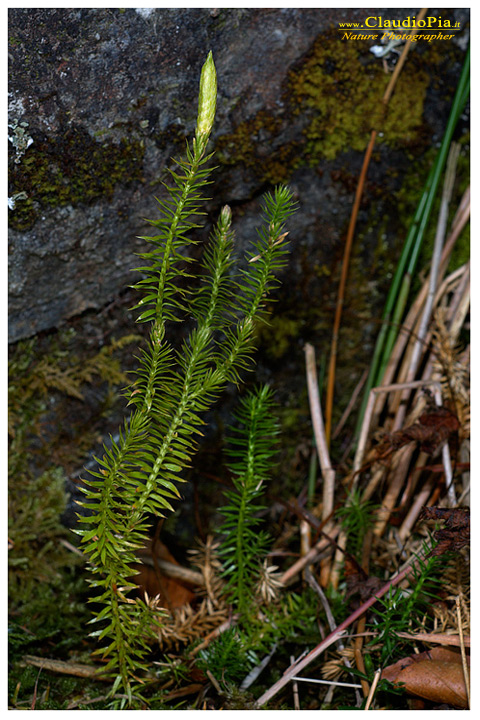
[358, 582]
[174, 592]
[435, 675]
[433, 428]
[456, 533]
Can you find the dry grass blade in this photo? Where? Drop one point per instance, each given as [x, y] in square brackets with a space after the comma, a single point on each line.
[328, 474]
[362, 443]
[373, 688]
[313, 554]
[440, 365]
[436, 638]
[421, 335]
[351, 403]
[436, 258]
[296, 699]
[319, 432]
[466, 674]
[461, 219]
[351, 232]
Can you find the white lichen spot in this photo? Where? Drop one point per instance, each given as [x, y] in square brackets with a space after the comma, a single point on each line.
[16, 105]
[20, 138]
[144, 12]
[12, 201]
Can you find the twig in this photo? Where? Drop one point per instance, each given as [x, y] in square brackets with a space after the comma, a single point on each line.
[310, 557]
[72, 548]
[214, 682]
[462, 650]
[309, 577]
[296, 700]
[182, 692]
[293, 670]
[211, 636]
[34, 698]
[339, 554]
[351, 403]
[437, 638]
[173, 570]
[358, 642]
[328, 473]
[65, 668]
[305, 537]
[328, 612]
[373, 688]
[192, 577]
[327, 682]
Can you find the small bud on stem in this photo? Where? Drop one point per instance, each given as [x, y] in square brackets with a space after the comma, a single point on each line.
[226, 216]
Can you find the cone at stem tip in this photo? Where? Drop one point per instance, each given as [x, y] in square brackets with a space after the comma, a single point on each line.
[207, 98]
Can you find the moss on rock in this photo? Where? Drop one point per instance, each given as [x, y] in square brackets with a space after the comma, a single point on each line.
[334, 97]
[71, 168]
[341, 90]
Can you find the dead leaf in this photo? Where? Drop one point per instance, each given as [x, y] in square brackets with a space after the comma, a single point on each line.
[432, 430]
[456, 534]
[358, 582]
[434, 427]
[174, 593]
[434, 675]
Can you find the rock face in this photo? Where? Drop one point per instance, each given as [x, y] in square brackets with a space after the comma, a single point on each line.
[101, 99]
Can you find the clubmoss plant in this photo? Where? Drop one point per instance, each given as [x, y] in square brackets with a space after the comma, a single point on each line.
[251, 451]
[138, 475]
[400, 608]
[227, 659]
[356, 518]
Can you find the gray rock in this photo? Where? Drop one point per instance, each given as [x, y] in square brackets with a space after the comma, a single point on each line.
[101, 99]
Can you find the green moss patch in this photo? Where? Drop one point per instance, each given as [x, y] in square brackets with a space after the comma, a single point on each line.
[340, 90]
[70, 169]
[334, 97]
